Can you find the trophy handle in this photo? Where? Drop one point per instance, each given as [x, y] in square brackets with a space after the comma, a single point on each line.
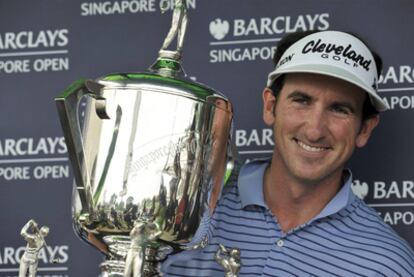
[68, 105]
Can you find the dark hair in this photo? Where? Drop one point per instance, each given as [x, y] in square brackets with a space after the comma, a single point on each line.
[368, 109]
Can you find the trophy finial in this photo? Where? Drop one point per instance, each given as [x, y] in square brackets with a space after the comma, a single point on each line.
[178, 29]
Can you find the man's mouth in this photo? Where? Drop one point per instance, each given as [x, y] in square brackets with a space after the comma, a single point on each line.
[310, 148]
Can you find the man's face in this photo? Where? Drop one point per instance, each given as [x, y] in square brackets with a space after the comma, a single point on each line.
[317, 124]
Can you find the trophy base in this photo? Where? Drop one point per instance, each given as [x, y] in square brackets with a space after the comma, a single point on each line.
[112, 268]
[119, 249]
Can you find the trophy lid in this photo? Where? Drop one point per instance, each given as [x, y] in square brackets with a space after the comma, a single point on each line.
[165, 75]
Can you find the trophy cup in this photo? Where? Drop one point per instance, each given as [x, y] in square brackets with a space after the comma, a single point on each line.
[149, 161]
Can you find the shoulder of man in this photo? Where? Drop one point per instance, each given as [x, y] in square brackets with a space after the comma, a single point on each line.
[386, 245]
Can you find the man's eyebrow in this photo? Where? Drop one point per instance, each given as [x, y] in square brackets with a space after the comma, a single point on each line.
[338, 104]
[298, 93]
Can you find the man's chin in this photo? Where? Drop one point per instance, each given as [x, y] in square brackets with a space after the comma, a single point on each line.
[318, 176]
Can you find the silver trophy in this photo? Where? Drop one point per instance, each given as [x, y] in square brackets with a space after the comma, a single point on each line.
[149, 162]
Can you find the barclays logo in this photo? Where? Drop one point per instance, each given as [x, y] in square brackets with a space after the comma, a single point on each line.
[219, 28]
[360, 189]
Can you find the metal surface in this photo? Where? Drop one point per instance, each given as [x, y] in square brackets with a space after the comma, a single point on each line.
[153, 149]
[35, 238]
[150, 161]
[229, 259]
[178, 28]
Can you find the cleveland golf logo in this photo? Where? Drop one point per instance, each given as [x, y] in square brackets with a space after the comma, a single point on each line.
[360, 189]
[219, 28]
[338, 50]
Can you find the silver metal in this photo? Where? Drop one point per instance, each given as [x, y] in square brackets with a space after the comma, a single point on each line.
[229, 259]
[178, 29]
[35, 241]
[153, 152]
[149, 162]
[141, 236]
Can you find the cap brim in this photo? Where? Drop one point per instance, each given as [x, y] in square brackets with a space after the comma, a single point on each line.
[332, 71]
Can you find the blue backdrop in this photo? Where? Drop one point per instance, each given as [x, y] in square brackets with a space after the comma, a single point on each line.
[45, 45]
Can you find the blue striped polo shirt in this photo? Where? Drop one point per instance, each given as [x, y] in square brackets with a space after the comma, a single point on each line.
[347, 238]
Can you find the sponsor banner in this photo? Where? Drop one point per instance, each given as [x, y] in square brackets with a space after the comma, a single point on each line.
[53, 261]
[34, 51]
[243, 40]
[394, 200]
[99, 8]
[396, 86]
[27, 159]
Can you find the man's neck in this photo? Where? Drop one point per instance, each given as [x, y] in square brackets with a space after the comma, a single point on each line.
[294, 202]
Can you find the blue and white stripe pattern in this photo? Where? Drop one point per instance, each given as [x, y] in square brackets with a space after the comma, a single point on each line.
[347, 238]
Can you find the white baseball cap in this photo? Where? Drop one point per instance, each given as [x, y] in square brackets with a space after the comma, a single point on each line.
[335, 54]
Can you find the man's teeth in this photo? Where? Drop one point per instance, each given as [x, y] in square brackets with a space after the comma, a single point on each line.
[311, 148]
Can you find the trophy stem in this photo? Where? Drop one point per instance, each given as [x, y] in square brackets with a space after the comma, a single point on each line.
[112, 268]
[151, 264]
[114, 265]
[147, 267]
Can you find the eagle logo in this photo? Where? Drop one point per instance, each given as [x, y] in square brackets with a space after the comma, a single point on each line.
[360, 189]
[219, 28]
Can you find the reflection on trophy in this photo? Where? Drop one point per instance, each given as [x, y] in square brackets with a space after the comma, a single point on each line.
[148, 163]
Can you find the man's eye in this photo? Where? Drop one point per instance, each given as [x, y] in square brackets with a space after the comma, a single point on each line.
[341, 110]
[301, 100]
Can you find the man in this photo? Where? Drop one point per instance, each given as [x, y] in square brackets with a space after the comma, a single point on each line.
[35, 242]
[296, 215]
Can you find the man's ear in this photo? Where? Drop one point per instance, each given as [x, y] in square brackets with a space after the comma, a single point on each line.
[368, 125]
[269, 105]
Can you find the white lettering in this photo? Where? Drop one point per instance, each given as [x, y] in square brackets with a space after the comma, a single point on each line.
[32, 146]
[15, 66]
[402, 190]
[54, 64]
[397, 217]
[30, 39]
[123, 7]
[63, 252]
[254, 137]
[397, 75]
[241, 54]
[15, 173]
[379, 190]
[404, 102]
[53, 172]
[280, 24]
[10, 255]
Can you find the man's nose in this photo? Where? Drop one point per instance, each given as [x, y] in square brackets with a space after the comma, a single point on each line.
[315, 127]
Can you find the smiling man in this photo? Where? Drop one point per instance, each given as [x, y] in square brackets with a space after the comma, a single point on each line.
[295, 214]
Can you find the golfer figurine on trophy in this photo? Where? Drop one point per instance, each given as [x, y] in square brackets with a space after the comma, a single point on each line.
[229, 259]
[35, 241]
[178, 27]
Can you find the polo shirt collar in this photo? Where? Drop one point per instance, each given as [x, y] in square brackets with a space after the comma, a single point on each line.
[341, 200]
[250, 185]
